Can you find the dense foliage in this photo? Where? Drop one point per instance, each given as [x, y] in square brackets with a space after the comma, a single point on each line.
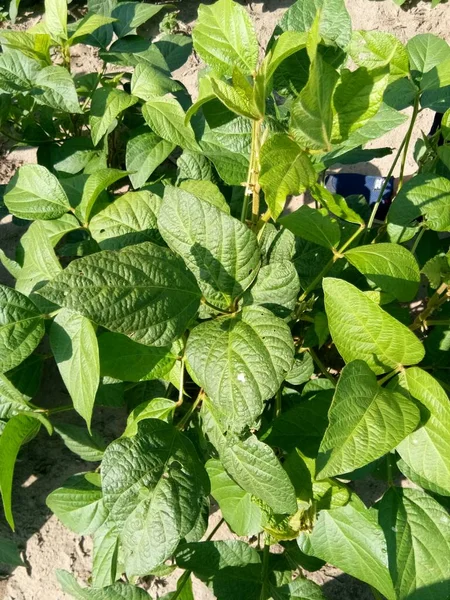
[264, 357]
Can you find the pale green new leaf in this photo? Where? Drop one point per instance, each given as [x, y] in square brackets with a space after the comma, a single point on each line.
[357, 99]
[374, 49]
[117, 591]
[166, 118]
[148, 81]
[425, 51]
[427, 450]
[12, 400]
[277, 287]
[390, 266]
[224, 38]
[55, 88]
[153, 485]
[95, 184]
[237, 97]
[34, 193]
[56, 18]
[131, 219]
[313, 225]
[367, 332]
[351, 540]
[417, 530]
[21, 328]
[78, 504]
[143, 291]
[285, 169]
[121, 358]
[312, 114]
[220, 251]
[241, 362]
[106, 106]
[74, 346]
[18, 430]
[238, 510]
[366, 421]
[144, 153]
[32, 45]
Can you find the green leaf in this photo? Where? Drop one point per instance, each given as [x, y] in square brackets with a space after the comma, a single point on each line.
[78, 504]
[312, 114]
[153, 484]
[89, 447]
[366, 421]
[238, 510]
[367, 332]
[105, 556]
[96, 183]
[12, 400]
[74, 155]
[74, 346]
[121, 358]
[35, 46]
[427, 450]
[166, 117]
[117, 591]
[176, 49]
[9, 554]
[374, 49]
[34, 193]
[156, 408]
[336, 204]
[357, 99]
[276, 288]
[56, 18]
[437, 270]
[129, 220]
[241, 362]
[220, 251]
[143, 291]
[56, 89]
[417, 530]
[313, 225]
[21, 328]
[426, 51]
[148, 81]
[87, 25]
[192, 165]
[224, 38]
[301, 589]
[287, 44]
[351, 540]
[18, 430]
[302, 369]
[390, 266]
[106, 106]
[237, 97]
[144, 153]
[426, 195]
[285, 169]
[17, 72]
[207, 191]
[130, 15]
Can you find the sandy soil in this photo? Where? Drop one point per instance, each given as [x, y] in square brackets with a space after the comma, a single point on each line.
[45, 464]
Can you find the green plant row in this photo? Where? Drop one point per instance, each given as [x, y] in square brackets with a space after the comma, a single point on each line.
[267, 359]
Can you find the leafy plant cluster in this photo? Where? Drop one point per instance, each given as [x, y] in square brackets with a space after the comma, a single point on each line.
[266, 359]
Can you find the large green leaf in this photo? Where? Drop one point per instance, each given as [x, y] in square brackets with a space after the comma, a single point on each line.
[207, 191]
[417, 530]
[12, 400]
[276, 287]
[78, 504]
[166, 117]
[425, 51]
[427, 450]
[93, 186]
[145, 152]
[74, 346]
[78, 440]
[285, 169]
[313, 225]
[365, 422]
[121, 358]
[367, 332]
[425, 195]
[153, 485]
[143, 291]
[129, 220]
[287, 44]
[312, 114]
[301, 589]
[17, 72]
[34, 193]
[56, 89]
[18, 430]
[88, 24]
[221, 251]
[238, 97]
[374, 49]
[56, 18]
[130, 15]
[241, 514]
[106, 106]
[117, 591]
[241, 362]
[357, 99]
[351, 540]
[224, 38]
[148, 81]
[21, 328]
[390, 266]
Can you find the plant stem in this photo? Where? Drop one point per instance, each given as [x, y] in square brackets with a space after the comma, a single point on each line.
[417, 240]
[181, 384]
[351, 239]
[219, 310]
[256, 188]
[313, 284]
[321, 366]
[388, 376]
[59, 409]
[277, 404]
[265, 570]
[439, 297]
[407, 141]
[182, 424]
[99, 78]
[215, 530]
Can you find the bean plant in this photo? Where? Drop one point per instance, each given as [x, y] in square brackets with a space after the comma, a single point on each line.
[274, 360]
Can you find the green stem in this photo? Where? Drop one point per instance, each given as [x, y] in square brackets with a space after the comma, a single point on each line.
[182, 424]
[436, 300]
[388, 376]
[256, 188]
[312, 286]
[408, 140]
[265, 571]
[219, 310]
[99, 78]
[277, 404]
[351, 239]
[30, 142]
[321, 366]
[58, 409]
[417, 240]
[439, 322]
[181, 383]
